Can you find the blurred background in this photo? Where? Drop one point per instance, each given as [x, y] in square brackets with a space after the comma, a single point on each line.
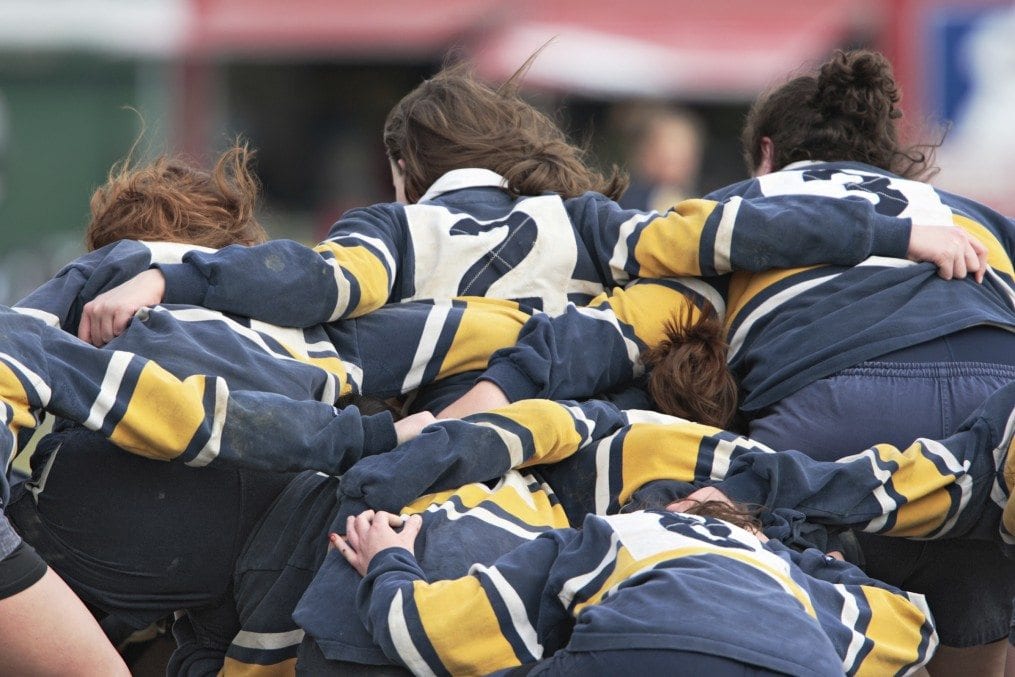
[660, 86]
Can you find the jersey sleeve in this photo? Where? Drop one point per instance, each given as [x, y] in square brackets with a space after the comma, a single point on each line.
[932, 488]
[651, 449]
[404, 346]
[482, 447]
[875, 628]
[146, 410]
[284, 282]
[705, 237]
[59, 301]
[597, 348]
[486, 621]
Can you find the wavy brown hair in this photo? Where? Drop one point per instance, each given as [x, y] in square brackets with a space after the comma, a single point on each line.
[743, 515]
[453, 121]
[689, 376]
[174, 200]
[847, 111]
[739, 514]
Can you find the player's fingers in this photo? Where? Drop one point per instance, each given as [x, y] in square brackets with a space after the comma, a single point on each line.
[959, 264]
[944, 267]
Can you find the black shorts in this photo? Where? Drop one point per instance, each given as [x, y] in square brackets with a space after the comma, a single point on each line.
[20, 570]
[133, 537]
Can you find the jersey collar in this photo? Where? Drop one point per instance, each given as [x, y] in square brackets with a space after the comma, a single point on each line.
[457, 179]
[839, 164]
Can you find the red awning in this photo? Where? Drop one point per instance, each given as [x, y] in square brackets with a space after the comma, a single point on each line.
[361, 28]
[716, 49]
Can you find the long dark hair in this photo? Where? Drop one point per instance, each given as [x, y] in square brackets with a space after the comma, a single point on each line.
[453, 121]
[848, 111]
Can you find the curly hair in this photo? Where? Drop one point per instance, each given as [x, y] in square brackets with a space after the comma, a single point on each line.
[453, 121]
[173, 200]
[847, 111]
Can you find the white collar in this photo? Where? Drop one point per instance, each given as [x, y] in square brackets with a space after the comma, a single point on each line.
[854, 165]
[800, 164]
[456, 179]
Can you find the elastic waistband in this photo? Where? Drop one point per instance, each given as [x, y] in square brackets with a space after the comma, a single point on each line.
[983, 344]
[931, 369]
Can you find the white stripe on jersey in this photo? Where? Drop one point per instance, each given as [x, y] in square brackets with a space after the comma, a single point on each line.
[111, 381]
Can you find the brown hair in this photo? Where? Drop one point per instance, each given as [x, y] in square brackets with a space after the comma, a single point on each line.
[743, 515]
[173, 200]
[738, 514]
[453, 121]
[689, 377]
[848, 111]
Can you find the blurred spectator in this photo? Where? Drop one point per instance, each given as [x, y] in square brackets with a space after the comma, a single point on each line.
[663, 146]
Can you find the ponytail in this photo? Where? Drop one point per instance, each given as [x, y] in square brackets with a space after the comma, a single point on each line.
[848, 111]
[689, 376]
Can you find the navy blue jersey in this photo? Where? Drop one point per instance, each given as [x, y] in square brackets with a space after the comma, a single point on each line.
[469, 237]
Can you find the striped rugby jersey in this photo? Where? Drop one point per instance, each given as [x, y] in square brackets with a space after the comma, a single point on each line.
[499, 479]
[390, 352]
[653, 580]
[790, 328]
[598, 458]
[786, 328]
[469, 237]
[386, 353]
[146, 410]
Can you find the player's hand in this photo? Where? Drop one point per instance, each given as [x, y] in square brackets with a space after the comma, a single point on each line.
[955, 252]
[107, 315]
[410, 427]
[369, 533]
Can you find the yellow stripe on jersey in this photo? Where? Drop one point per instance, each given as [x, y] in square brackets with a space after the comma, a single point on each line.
[487, 326]
[894, 628]
[648, 309]
[331, 364]
[1008, 470]
[531, 508]
[486, 650]
[13, 393]
[745, 286]
[626, 566]
[368, 271]
[234, 668]
[655, 451]
[997, 257]
[162, 416]
[552, 428]
[669, 245]
[916, 475]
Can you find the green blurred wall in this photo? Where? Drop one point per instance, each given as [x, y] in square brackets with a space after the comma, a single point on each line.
[65, 126]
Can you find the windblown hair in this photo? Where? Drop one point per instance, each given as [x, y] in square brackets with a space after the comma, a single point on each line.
[848, 111]
[173, 200]
[453, 121]
[689, 377]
